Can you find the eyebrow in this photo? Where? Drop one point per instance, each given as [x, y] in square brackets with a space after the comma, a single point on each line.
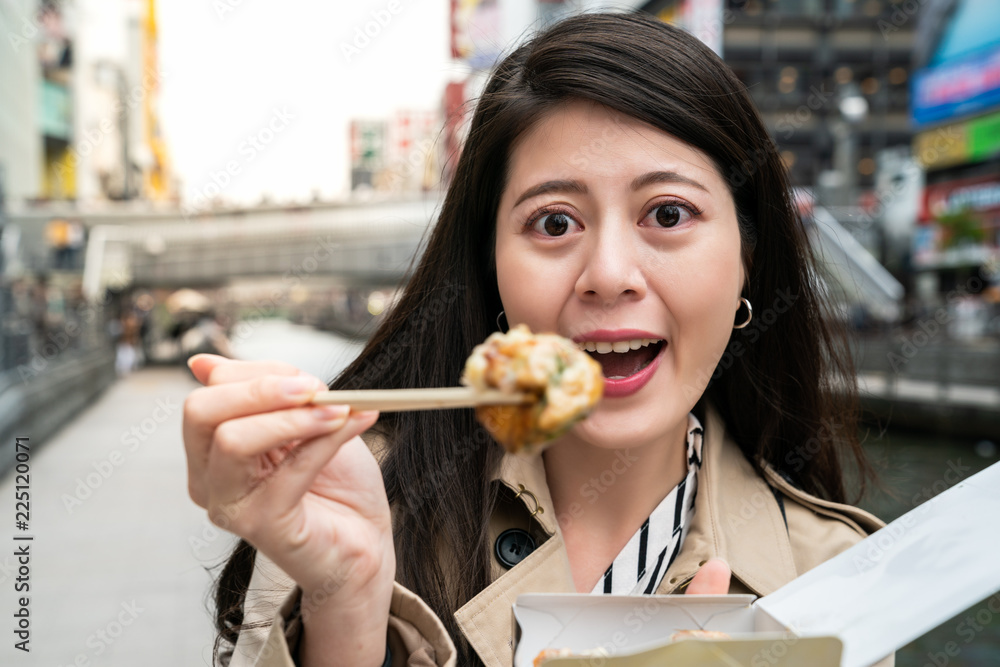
[654, 177]
[638, 183]
[549, 187]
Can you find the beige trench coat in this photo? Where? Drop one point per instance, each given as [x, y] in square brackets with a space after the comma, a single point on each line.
[737, 518]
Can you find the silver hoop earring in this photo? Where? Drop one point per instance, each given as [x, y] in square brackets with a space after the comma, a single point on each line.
[500, 327]
[749, 314]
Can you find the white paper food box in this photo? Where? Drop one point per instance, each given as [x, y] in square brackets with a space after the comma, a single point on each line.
[851, 611]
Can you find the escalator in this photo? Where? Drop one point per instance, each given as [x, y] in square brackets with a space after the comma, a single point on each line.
[851, 275]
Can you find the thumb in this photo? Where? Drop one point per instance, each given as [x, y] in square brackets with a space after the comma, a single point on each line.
[202, 365]
[712, 579]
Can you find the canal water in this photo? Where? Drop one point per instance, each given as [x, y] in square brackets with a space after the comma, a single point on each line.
[912, 468]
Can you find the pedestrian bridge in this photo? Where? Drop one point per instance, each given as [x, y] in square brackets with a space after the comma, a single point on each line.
[362, 244]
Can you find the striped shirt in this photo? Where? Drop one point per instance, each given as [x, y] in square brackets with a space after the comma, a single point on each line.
[641, 564]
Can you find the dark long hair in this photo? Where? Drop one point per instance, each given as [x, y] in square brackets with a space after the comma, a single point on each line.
[786, 383]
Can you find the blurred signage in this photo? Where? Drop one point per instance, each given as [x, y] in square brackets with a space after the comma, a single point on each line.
[703, 19]
[926, 244]
[669, 14]
[56, 110]
[454, 126]
[476, 32]
[957, 88]
[367, 151]
[409, 128]
[398, 154]
[959, 143]
[410, 152]
[984, 136]
[367, 144]
[550, 11]
[974, 194]
[54, 50]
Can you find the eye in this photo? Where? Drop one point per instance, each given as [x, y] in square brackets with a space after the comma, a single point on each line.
[553, 224]
[670, 215]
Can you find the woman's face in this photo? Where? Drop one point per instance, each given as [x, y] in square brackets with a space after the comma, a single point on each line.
[610, 232]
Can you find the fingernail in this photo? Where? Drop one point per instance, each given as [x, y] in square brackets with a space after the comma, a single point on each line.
[366, 414]
[191, 361]
[331, 412]
[298, 386]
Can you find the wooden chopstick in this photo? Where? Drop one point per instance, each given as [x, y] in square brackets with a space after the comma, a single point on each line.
[400, 400]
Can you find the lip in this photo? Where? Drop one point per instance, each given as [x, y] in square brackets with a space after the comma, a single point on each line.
[614, 335]
[633, 383]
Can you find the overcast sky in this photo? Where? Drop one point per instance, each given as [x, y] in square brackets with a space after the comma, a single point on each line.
[279, 69]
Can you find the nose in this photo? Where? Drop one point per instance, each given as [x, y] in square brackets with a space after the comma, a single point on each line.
[612, 270]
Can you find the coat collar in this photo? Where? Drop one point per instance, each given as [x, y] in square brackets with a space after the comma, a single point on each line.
[525, 476]
[736, 518]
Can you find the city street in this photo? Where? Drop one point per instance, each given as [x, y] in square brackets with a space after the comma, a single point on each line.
[171, 187]
[118, 561]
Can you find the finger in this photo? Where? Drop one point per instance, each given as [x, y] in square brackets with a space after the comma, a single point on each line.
[299, 470]
[712, 579]
[206, 408]
[201, 365]
[276, 496]
[237, 458]
[248, 438]
[234, 370]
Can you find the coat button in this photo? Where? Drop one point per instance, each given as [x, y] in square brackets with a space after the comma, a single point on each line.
[513, 546]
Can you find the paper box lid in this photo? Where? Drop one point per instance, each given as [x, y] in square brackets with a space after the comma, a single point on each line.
[633, 629]
[922, 569]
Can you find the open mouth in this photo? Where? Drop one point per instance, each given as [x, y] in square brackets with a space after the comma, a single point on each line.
[625, 358]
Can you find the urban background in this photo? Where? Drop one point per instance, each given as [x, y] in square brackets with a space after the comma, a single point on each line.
[142, 220]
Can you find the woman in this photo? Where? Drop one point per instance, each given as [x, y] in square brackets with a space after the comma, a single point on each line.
[617, 187]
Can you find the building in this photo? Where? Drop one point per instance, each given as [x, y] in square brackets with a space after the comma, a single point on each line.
[79, 119]
[830, 77]
[956, 108]
[119, 151]
[36, 118]
[482, 31]
[78, 129]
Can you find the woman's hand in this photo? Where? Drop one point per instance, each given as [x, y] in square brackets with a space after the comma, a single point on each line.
[712, 579]
[297, 483]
